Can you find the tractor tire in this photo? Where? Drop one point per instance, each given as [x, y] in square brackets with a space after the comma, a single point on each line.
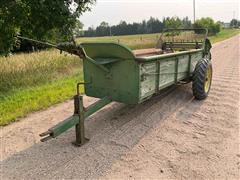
[208, 56]
[202, 79]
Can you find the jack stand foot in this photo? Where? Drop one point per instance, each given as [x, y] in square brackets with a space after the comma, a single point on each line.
[79, 144]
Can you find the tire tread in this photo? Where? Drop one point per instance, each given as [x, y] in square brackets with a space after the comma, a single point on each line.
[199, 78]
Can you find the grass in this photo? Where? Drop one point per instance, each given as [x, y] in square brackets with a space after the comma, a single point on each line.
[30, 82]
[149, 40]
[27, 70]
[139, 41]
[224, 34]
[24, 101]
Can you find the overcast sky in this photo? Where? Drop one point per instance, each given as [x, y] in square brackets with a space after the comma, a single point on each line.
[113, 11]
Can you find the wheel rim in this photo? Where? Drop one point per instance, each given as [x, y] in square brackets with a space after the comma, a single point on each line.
[208, 79]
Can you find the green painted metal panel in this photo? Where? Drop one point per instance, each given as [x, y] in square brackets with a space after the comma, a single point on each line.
[183, 67]
[167, 71]
[122, 81]
[107, 50]
[121, 84]
[148, 79]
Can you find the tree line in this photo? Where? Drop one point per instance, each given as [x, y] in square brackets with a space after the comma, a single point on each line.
[153, 25]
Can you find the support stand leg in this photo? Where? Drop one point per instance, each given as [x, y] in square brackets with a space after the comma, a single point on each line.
[79, 128]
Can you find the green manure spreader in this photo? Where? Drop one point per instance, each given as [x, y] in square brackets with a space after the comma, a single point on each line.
[113, 72]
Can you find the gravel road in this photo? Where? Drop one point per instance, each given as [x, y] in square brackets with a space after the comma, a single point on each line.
[171, 136]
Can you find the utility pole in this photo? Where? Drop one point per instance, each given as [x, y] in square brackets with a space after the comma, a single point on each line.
[110, 30]
[194, 11]
[234, 25]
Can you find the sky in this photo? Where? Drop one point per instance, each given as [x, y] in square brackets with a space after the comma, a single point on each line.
[113, 11]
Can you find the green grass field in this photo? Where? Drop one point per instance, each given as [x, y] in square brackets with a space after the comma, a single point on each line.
[30, 82]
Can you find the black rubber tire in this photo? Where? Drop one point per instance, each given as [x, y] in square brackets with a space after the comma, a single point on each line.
[199, 76]
[208, 56]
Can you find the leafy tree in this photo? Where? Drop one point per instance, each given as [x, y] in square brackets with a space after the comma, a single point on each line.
[173, 22]
[235, 23]
[186, 23]
[103, 29]
[78, 30]
[154, 25]
[208, 23]
[90, 32]
[40, 19]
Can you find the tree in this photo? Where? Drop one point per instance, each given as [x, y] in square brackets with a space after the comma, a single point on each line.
[208, 23]
[173, 22]
[103, 29]
[186, 23]
[154, 25]
[40, 19]
[235, 23]
[78, 30]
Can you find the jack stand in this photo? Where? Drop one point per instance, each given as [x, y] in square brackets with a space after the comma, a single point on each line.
[77, 119]
[79, 110]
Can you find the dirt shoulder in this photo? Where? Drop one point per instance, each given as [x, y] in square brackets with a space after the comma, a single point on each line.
[169, 136]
